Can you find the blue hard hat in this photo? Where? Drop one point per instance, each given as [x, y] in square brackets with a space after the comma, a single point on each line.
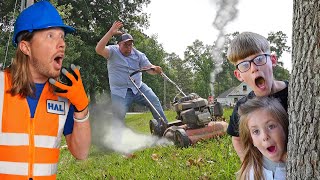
[41, 15]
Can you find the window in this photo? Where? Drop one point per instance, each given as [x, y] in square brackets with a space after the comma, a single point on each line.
[244, 87]
[235, 100]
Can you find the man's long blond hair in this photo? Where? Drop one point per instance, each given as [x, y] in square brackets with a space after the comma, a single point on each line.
[247, 44]
[20, 75]
[252, 156]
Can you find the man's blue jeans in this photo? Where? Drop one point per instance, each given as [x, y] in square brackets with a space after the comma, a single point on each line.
[121, 105]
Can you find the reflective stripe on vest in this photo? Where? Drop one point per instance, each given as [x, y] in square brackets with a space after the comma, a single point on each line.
[29, 147]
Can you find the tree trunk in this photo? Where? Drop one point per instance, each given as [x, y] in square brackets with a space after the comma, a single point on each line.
[304, 93]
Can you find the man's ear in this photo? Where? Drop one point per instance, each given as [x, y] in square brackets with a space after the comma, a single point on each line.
[237, 74]
[25, 47]
[274, 60]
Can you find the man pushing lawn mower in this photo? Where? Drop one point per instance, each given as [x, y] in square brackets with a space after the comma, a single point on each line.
[125, 63]
[195, 120]
[122, 60]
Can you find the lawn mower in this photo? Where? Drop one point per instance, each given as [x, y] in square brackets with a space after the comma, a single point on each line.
[195, 118]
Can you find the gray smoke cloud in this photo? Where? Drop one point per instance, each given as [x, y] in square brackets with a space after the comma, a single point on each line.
[112, 135]
[226, 13]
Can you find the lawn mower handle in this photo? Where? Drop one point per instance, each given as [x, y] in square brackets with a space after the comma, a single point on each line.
[145, 97]
[165, 77]
[168, 79]
[140, 70]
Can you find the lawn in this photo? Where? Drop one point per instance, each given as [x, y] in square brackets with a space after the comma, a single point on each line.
[210, 159]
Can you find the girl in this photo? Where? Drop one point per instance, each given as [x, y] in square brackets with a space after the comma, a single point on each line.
[263, 130]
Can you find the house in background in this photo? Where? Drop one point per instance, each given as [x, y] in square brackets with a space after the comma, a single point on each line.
[232, 95]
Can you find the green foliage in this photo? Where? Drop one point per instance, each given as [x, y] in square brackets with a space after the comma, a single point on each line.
[180, 73]
[6, 48]
[281, 73]
[92, 19]
[199, 58]
[210, 159]
[225, 79]
[7, 14]
[278, 43]
[156, 54]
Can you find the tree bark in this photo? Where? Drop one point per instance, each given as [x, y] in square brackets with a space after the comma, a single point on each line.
[304, 93]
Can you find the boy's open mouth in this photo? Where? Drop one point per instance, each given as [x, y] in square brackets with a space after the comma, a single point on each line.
[260, 82]
[271, 149]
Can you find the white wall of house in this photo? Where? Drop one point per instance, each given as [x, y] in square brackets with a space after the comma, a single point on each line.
[229, 101]
[237, 93]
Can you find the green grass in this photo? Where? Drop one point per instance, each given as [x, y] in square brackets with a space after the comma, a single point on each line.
[210, 159]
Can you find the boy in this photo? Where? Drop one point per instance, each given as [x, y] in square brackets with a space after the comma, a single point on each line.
[250, 53]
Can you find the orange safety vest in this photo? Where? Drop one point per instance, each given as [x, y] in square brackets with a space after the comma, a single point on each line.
[29, 147]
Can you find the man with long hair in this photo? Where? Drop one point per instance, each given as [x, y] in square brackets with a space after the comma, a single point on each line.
[35, 108]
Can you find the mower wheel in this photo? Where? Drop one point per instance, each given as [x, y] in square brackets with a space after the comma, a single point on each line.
[154, 128]
[181, 138]
[169, 133]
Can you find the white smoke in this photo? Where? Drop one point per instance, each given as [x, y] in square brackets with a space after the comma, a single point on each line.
[123, 140]
[111, 134]
[226, 13]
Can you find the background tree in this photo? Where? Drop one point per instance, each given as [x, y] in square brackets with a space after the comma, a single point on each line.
[278, 41]
[304, 93]
[7, 16]
[92, 19]
[278, 44]
[156, 55]
[281, 73]
[225, 79]
[180, 73]
[199, 58]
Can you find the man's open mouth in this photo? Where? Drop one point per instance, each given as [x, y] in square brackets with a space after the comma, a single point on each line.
[58, 60]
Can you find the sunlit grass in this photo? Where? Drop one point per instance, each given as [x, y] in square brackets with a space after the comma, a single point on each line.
[210, 159]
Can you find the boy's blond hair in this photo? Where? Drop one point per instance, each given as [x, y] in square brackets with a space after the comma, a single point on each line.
[247, 44]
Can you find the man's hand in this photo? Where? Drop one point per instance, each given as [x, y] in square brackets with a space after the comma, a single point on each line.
[75, 92]
[157, 69]
[154, 69]
[115, 28]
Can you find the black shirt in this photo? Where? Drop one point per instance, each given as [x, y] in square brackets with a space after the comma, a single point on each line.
[233, 128]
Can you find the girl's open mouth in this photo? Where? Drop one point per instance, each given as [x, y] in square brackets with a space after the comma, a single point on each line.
[271, 149]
